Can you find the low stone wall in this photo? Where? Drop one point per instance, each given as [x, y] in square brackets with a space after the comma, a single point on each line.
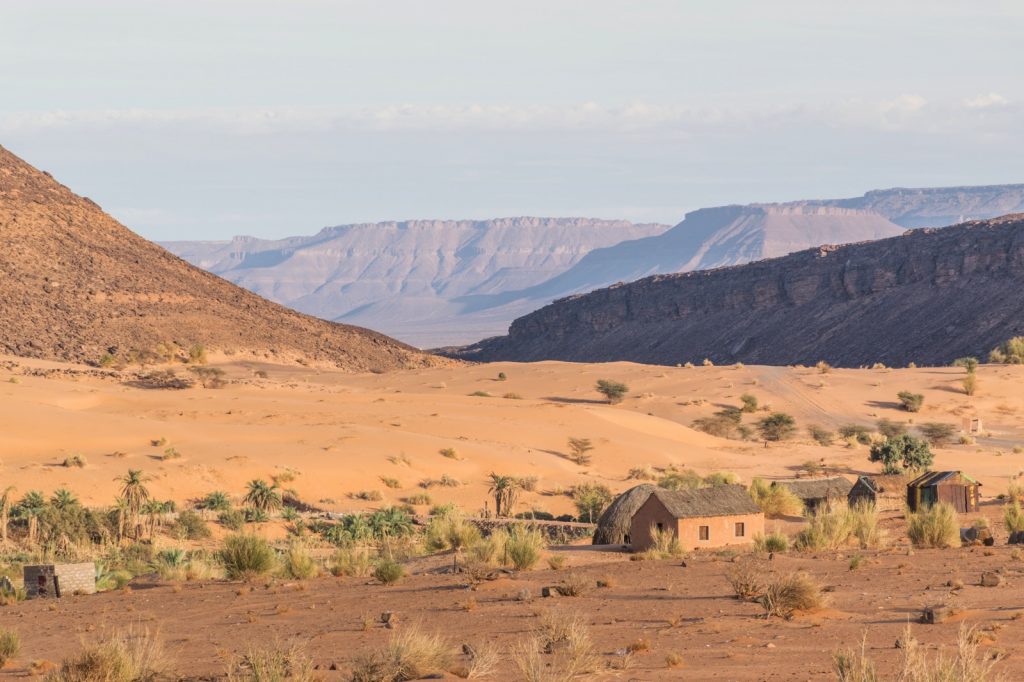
[51, 580]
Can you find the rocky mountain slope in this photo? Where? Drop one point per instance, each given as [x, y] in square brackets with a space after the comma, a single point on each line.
[928, 297]
[416, 280]
[78, 285]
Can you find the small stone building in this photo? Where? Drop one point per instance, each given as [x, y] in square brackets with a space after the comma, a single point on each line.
[59, 580]
[706, 517]
[953, 487]
[887, 493]
[818, 493]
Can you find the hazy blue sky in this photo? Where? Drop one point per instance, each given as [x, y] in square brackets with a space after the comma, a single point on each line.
[192, 119]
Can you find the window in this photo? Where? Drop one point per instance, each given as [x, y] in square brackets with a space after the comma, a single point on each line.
[661, 527]
[740, 530]
[704, 532]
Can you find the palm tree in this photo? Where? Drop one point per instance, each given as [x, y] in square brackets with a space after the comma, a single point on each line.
[506, 491]
[135, 495]
[153, 509]
[30, 508]
[63, 499]
[122, 514]
[216, 501]
[5, 511]
[263, 496]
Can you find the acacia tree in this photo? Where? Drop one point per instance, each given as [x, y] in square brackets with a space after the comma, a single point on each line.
[776, 426]
[902, 453]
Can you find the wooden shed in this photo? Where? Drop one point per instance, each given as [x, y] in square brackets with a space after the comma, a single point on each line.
[887, 492]
[953, 487]
[818, 493]
[704, 517]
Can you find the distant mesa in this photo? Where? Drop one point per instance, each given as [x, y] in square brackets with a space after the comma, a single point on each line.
[77, 285]
[928, 296]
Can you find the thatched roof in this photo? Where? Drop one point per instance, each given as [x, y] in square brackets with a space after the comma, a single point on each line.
[886, 484]
[613, 526]
[719, 500]
[816, 488]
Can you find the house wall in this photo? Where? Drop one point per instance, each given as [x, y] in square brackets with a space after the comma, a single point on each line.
[963, 498]
[721, 529]
[651, 513]
[42, 580]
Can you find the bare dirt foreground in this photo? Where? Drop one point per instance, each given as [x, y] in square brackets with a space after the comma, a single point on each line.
[336, 435]
[688, 611]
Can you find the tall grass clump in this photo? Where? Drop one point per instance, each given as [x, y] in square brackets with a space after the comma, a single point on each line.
[298, 564]
[246, 556]
[354, 562]
[450, 531]
[790, 593]
[775, 501]
[864, 519]
[664, 545]
[126, 656]
[935, 526]
[559, 650]
[388, 571]
[276, 664]
[772, 542]
[411, 654]
[827, 529]
[523, 547]
[1013, 517]
[10, 644]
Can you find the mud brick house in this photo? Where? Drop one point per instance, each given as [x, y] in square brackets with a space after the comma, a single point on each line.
[886, 493]
[953, 487]
[705, 517]
[59, 580]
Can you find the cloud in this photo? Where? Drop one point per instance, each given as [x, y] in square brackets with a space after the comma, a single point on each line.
[908, 112]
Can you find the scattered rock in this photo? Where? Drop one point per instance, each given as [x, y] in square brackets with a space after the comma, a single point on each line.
[936, 614]
[991, 579]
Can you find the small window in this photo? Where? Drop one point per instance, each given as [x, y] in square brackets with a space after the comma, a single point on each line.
[661, 527]
[740, 530]
[705, 532]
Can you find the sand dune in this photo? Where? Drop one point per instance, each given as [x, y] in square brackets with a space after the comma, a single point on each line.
[338, 433]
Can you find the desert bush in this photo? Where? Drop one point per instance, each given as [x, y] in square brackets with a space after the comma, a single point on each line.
[419, 499]
[644, 473]
[721, 478]
[354, 562]
[772, 542]
[1013, 517]
[127, 656]
[210, 377]
[197, 354]
[937, 433]
[10, 644]
[411, 654]
[902, 453]
[523, 547]
[484, 660]
[891, 429]
[854, 666]
[685, 479]
[909, 401]
[512, 396]
[480, 394]
[614, 391]
[864, 519]
[749, 403]
[968, 363]
[776, 427]
[823, 367]
[450, 453]
[486, 550]
[559, 650]
[217, 501]
[190, 526]
[935, 526]
[389, 482]
[246, 556]
[746, 580]
[826, 529]
[388, 571]
[917, 665]
[279, 663]
[591, 499]
[970, 384]
[722, 424]
[77, 461]
[821, 435]
[367, 495]
[775, 501]
[556, 562]
[450, 531]
[857, 432]
[298, 564]
[1009, 352]
[790, 593]
[233, 519]
[574, 585]
[579, 447]
[664, 545]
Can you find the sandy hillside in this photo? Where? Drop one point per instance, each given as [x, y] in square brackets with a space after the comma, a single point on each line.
[338, 434]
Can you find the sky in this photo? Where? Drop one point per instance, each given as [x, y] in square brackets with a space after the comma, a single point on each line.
[207, 119]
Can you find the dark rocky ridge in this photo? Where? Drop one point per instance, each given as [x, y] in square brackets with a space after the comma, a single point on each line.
[928, 297]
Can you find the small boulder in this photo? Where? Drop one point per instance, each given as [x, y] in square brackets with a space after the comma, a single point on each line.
[936, 614]
[991, 579]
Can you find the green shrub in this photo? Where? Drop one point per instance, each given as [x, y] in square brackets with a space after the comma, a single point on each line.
[388, 571]
[864, 518]
[191, 526]
[246, 556]
[821, 436]
[826, 529]
[749, 403]
[450, 531]
[857, 432]
[1009, 352]
[911, 402]
[686, 479]
[970, 384]
[721, 478]
[936, 526]
[937, 433]
[591, 499]
[1013, 516]
[523, 547]
[217, 501]
[970, 364]
[776, 427]
[772, 542]
[902, 453]
[775, 501]
[354, 562]
[891, 429]
[614, 391]
[232, 519]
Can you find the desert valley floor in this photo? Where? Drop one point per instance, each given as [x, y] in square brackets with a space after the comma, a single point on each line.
[333, 435]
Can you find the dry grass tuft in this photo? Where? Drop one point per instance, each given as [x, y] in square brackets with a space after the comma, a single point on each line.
[278, 664]
[790, 593]
[127, 656]
[937, 526]
[559, 650]
[411, 654]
